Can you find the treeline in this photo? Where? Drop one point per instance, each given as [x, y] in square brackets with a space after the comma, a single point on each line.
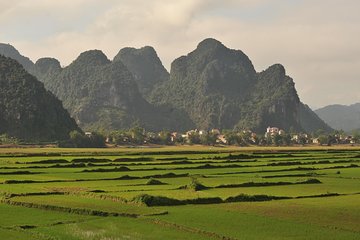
[139, 136]
[80, 140]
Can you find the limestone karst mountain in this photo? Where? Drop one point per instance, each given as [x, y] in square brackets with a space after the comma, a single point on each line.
[145, 66]
[27, 110]
[219, 88]
[101, 94]
[211, 87]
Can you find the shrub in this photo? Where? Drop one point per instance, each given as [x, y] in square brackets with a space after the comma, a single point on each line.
[196, 185]
[153, 181]
[172, 158]
[321, 195]
[167, 175]
[149, 200]
[152, 201]
[90, 160]
[97, 191]
[253, 198]
[117, 169]
[80, 140]
[213, 200]
[311, 181]
[133, 159]
[18, 173]
[126, 177]
[48, 161]
[18, 181]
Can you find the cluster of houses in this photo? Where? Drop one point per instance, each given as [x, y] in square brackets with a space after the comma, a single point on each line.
[337, 139]
[222, 138]
[215, 136]
[296, 138]
[303, 138]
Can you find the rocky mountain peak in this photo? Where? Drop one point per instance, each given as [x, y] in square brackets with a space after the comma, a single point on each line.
[145, 66]
[46, 65]
[210, 43]
[9, 51]
[92, 58]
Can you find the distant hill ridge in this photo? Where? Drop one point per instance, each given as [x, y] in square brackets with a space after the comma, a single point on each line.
[211, 87]
[341, 117]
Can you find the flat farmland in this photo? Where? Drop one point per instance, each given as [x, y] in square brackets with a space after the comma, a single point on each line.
[189, 192]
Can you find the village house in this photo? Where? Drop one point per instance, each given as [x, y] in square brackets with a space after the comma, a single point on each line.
[272, 131]
[298, 138]
[88, 134]
[348, 140]
[203, 132]
[316, 141]
[221, 139]
[174, 136]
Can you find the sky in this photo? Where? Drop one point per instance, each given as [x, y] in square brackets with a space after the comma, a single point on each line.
[318, 41]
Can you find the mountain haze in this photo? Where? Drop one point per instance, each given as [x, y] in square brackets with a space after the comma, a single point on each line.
[341, 117]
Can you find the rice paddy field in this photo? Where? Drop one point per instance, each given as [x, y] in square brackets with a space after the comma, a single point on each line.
[193, 192]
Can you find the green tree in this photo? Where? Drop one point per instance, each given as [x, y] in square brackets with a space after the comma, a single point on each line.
[277, 139]
[194, 138]
[234, 138]
[268, 140]
[318, 133]
[286, 139]
[97, 140]
[78, 139]
[356, 136]
[137, 135]
[121, 137]
[302, 139]
[245, 137]
[208, 139]
[323, 139]
[165, 137]
[179, 139]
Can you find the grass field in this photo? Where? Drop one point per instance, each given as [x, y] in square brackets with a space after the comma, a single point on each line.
[189, 192]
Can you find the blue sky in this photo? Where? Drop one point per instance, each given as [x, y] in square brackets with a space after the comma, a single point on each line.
[317, 41]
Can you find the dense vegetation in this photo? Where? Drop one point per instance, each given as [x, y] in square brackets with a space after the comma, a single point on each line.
[27, 110]
[103, 95]
[310, 121]
[211, 87]
[219, 88]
